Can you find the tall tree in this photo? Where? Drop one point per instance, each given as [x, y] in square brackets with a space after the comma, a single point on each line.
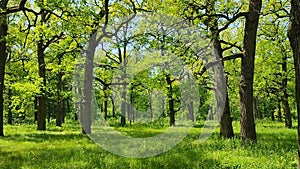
[226, 129]
[41, 99]
[85, 115]
[247, 71]
[285, 96]
[3, 57]
[294, 37]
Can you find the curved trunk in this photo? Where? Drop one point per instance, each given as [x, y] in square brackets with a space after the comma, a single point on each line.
[223, 108]
[85, 115]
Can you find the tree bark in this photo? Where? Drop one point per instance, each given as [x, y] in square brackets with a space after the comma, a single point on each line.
[191, 111]
[130, 105]
[279, 111]
[85, 115]
[41, 98]
[3, 57]
[35, 109]
[105, 103]
[247, 72]
[151, 105]
[222, 106]
[123, 107]
[285, 102]
[113, 107]
[171, 100]
[294, 37]
[60, 110]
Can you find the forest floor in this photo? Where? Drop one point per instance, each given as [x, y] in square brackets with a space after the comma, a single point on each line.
[24, 147]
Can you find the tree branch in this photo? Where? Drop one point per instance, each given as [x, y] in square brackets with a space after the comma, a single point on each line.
[214, 63]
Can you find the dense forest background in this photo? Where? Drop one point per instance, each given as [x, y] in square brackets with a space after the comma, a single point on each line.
[44, 43]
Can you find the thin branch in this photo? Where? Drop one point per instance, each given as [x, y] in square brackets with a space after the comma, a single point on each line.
[233, 19]
[214, 63]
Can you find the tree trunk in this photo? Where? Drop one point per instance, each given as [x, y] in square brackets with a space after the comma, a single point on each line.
[35, 109]
[191, 111]
[105, 103]
[60, 110]
[41, 98]
[285, 102]
[113, 107]
[171, 100]
[124, 104]
[285, 96]
[130, 106]
[247, 72]
[279, 112]
[287, 111]
[272, 115]
[222, 102]
[85, 115]
[151, 105]
[49, 107]
[3, 57]
[9, 113]
[294, 37]
[123, 107]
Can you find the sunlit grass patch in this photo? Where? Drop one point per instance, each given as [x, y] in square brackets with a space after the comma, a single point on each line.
[66, 147]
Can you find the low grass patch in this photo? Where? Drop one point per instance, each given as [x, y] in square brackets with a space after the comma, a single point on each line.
[24, 147]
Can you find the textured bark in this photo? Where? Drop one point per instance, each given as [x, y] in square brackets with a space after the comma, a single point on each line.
[171, 100]
[85, 115]
[247, 72]
[222, 100]
[285, 102]
[294, 37]
[86, 111]
[222, 106]
[3, 57]
[41, 98]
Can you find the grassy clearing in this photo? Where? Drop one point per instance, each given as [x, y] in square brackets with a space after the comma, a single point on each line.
[24, 147]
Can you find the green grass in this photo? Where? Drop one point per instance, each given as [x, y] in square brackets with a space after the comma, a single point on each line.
[24, 147]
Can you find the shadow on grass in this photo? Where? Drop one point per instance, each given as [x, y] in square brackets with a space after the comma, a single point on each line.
[41, 137]
[74, 150]
[71, 150]
[94, 157]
